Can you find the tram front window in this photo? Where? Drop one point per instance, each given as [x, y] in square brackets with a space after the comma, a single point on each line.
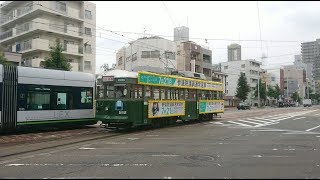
[120, 91]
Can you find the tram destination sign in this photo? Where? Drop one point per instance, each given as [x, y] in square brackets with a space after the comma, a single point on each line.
[178, 82]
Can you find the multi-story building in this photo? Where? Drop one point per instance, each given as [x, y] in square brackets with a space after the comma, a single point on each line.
[31, 27]
[181, 34]
[148, 53]
[251, 68]
[293, 79]
[193, 57]
[234, 52]
[310, 52]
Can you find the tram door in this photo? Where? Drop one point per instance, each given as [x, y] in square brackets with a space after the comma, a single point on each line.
[9, 98]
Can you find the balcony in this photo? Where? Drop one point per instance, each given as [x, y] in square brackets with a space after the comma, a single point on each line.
[38, 62]
[16, 13]
[44, 45]
[44, 6]
[6, 34]
[43, 25]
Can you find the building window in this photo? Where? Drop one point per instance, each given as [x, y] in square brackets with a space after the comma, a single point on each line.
[134, 57]
[120, 61]
[145, 54]
[88, 14]
[128, 59]
[243, 66]
[87, 49]
[87, 65]
[225, 67]
[87, 31]
[155, 54]
[61, 6]
[170, 55]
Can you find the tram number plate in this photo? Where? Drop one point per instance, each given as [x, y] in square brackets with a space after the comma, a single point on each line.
[122, 112]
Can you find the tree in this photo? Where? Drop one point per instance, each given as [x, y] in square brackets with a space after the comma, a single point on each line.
[57, 59]
[243, 88]
[105, 67]
[273, 91]
[295, 96]
[262, 91]
[277, 91]
[3, 60]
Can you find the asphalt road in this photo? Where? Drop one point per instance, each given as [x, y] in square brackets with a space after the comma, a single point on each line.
[257, 143]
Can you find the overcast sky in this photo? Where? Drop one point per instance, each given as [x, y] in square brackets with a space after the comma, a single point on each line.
[229, 21]
[279, 21]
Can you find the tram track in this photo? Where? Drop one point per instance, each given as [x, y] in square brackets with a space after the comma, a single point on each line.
[36, 147]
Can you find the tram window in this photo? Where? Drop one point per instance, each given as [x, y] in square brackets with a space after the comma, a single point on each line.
[147, 92]
[61, 101]
[86, 95]
[208, 95]
[156, 93]
[38, 100]
[172, 94]
[137, 91]
[166, 95]
[181, 94]
[215, 95]
[120, 91]
[162, 93]
[109, 91]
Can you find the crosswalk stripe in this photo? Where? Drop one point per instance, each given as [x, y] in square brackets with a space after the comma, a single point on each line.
[250, 122]
[299, 118]
[238, 123]
[265, 119]
[265, 122]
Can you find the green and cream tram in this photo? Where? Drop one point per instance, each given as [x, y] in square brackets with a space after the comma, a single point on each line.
[132, 99]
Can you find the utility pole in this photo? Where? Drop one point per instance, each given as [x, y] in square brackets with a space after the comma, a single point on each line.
[259, 92]
[131, 54]
[287, 87]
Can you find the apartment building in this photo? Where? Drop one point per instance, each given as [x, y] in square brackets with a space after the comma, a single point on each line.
[293, 79]
[234, 52]
[193, 57]
[251, 68]
[148, 53]
[31, 27]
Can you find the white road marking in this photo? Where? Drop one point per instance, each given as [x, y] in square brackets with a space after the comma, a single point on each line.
[87, 148]
[313, 128]
[114, 143]
[265, 122]
[299, 118]
[239, 123]
[317, 114]
[216, 123]
[152, 135]
[133, 138]
[268, 130]
[50, 164]
[250, 122]
[165, 155]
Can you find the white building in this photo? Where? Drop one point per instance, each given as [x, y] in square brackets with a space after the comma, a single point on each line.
[154, 53]
[252, 70]
[31, 27]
